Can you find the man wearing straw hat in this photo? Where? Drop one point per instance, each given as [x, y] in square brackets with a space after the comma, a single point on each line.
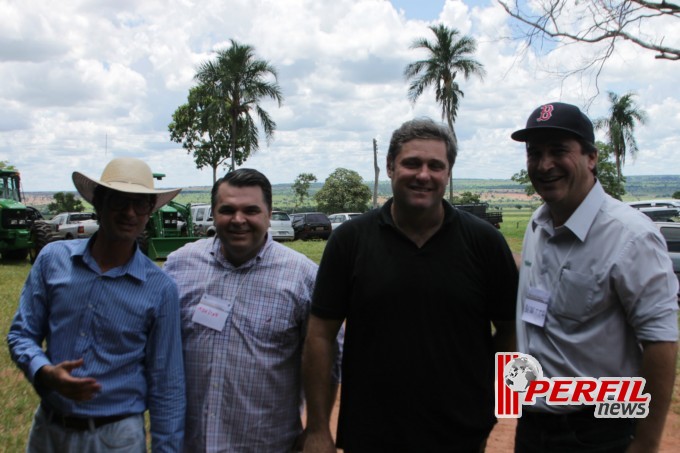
[110, 320]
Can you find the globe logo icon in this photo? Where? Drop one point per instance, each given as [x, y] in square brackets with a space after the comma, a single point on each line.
[521, 371]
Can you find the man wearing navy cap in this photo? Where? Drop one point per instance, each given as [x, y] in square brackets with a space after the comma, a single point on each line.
[600, 270]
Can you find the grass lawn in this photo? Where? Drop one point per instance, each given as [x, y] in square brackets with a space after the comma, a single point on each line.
[20, 400]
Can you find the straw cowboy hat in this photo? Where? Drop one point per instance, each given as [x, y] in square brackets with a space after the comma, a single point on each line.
[124, 174]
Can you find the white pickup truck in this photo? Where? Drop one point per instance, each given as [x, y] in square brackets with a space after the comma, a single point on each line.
[73, 225]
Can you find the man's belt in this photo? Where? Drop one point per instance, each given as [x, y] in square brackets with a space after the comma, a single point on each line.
[79, 423]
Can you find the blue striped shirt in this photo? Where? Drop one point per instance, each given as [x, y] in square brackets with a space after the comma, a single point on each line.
[243, 382]
[124, 323]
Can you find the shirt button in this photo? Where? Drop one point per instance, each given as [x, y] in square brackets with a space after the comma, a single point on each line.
[82, 334]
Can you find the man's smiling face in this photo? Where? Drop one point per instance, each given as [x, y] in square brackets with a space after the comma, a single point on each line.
[419, 174]
[560, 171]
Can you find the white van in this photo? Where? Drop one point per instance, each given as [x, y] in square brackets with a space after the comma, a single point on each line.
[201, 217]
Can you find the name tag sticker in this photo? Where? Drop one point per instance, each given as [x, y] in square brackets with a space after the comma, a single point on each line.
[535, 306]
[209, 313]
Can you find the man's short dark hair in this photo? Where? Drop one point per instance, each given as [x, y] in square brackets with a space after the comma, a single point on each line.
[423, 129]
[244, 177]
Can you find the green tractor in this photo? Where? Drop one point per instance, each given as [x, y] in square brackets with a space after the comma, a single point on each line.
[21, 228]
[168, 229]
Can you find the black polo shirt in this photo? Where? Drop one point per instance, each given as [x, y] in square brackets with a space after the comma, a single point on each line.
[417, 372]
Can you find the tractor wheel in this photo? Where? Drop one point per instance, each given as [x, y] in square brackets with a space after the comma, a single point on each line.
[41, 235]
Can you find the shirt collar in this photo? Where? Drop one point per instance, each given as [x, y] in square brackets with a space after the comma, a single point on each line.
[385, 217]
[135, 267]
[215, 250]
[582, 219]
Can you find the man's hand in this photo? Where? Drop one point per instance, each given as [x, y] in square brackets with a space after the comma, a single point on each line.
[58, 377]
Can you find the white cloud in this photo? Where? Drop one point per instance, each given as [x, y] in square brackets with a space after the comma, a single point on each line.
[91, 80]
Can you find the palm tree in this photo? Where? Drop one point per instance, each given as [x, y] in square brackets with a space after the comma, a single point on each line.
[620, 126]
[448, 55]
[239, 81]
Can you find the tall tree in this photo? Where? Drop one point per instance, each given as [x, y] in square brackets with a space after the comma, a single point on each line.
[343, 191]
[522, 178]
[5, 165]
[237, 82]
[301, 187]
[448, 55]
[65, 202]
[202, 129]
[620, 126]
[612, 182]
[598, 21]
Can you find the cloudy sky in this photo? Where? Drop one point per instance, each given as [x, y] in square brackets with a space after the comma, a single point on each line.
[83, 81]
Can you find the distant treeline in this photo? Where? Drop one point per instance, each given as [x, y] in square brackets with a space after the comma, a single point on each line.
[652, 186]
[663, 186]
[637, 187]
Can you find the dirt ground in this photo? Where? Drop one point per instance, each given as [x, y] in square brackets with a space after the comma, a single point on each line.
[503, 435]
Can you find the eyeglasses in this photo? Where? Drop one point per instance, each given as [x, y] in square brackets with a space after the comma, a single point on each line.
[141, 206]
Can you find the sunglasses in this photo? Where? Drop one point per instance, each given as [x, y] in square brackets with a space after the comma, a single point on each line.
[141, 206]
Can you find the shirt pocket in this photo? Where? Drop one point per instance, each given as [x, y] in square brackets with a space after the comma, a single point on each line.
[269, 326]
[576, 296]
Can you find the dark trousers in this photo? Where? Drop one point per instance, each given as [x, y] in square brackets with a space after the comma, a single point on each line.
[575, 432]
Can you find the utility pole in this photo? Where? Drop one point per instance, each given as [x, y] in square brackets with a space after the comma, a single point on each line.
[377, 172]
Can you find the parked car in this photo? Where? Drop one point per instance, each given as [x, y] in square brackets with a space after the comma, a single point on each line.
[660, 213]
[658, 210]
[655, 204]
[671, 233]
[202, 219]
[311, 225]
[337, 219]
[73, 225]
[281, 228]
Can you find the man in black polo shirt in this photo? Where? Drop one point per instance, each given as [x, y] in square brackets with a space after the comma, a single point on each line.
[419, 284]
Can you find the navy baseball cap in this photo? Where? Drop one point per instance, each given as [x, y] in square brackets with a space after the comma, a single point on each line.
[559, 116]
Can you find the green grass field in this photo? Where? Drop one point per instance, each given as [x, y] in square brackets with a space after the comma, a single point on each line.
[19, 398]
[20, 401]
